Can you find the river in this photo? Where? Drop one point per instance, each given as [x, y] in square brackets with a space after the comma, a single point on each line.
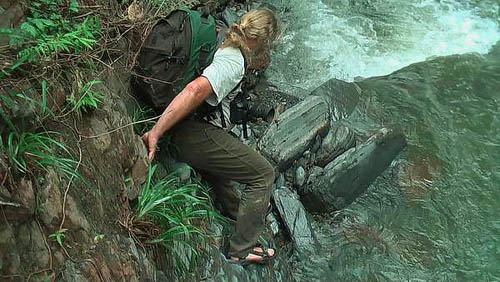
[435, 214]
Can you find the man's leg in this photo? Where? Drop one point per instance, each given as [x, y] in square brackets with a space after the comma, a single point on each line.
[225, 194]
[211, 149]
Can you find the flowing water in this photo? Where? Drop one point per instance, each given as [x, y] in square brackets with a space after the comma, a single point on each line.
[435, 214]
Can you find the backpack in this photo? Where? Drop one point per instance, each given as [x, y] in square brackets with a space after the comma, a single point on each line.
[177, 50]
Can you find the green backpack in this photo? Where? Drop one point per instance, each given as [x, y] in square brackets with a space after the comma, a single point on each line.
[177, 50]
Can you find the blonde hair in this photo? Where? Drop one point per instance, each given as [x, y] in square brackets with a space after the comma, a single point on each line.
[259, 25]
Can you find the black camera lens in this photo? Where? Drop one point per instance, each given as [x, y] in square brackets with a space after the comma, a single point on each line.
[261, 110]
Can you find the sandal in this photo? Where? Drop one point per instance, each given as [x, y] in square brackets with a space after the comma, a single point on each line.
[262, 253]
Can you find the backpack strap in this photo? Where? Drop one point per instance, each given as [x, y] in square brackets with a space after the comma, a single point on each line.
[203, 43]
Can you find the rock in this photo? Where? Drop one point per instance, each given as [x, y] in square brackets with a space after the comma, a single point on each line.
[71, 273]
[216, 268]
[13, 14]
[183, 171]
[348, 176]
[228, 16]
[294, 216]
[215, 231]
[287, 138]
[300, 176]
[273, 223]
[338, 140]
[21, 205]
[316, 145]
[30, 238]
[101, 143]
[146, 267]
[280, 181]
[9, 255]
[342, 97]
[50, 201]
[139, 170]
[75, 219]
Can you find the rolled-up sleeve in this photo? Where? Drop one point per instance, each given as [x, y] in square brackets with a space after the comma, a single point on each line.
[224, 73]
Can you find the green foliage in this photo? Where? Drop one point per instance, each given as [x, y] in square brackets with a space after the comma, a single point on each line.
[88, 98]
[179, 209]
[141, 114]
[51, 27]
[26, 148]
[59, 236]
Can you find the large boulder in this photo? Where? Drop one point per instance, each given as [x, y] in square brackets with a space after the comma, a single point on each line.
[342, 97]
[348, 176]
[287, 138]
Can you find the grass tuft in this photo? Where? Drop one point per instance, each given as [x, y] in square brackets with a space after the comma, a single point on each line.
[172, 214]
[24, 149]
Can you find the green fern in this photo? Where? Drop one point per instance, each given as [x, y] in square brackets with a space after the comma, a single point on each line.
[50, 28]
[88, 98]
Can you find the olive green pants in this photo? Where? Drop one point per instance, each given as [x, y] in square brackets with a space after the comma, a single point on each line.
[216, 153]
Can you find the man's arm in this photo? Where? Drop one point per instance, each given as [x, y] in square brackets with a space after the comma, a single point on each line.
[183, 104]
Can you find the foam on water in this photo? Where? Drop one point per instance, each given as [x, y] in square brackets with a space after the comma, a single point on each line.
[345, 45]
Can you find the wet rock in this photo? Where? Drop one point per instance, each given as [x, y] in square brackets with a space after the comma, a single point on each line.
[348, 176]
[280, 181]
[287, 138]
[338, 140]
[316, 145]
[215, 231]
[228, 16]
[342, 97]
[315, 172]
[273, 223]
[295, 218]
[300, 176]
[183, 171]
[217, 268]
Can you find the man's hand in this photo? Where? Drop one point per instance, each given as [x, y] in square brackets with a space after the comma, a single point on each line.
[150, 139]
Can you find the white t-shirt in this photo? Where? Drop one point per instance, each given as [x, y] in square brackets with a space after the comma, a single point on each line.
[224, 74]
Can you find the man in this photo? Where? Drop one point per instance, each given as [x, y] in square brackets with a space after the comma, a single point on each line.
[208, 147]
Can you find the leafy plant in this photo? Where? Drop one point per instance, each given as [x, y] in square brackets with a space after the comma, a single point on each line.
[25, 148]
[50, 28]
[88, 98]
[59, 236]
[178, 209]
